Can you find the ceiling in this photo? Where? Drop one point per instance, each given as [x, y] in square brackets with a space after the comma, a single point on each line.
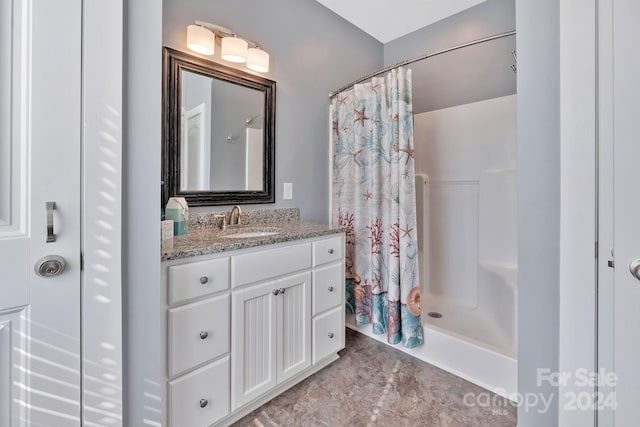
[376, 18]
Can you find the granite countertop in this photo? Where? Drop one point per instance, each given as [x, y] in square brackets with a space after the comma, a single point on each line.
[210, 240]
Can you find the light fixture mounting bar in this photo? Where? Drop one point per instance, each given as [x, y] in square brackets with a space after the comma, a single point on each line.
[226, 32]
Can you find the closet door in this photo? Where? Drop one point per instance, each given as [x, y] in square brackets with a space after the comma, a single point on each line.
[40, 170]
[626, 172]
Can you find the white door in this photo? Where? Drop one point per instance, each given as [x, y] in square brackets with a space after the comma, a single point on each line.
[40, 114]
[626, 173]
[195, 153]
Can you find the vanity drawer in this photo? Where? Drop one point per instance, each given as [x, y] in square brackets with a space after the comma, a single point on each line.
[328, 334]
[201, 397]
[327, 287]
[195, 279]
[328, 250]
[262, 265]
[198, 332]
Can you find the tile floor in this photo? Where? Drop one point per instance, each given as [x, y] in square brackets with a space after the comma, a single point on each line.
[373, 384]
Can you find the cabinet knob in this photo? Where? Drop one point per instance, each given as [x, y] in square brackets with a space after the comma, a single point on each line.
[203, 403]
[204, 280]
[330, 251]
[330, 288]
[204, 335]
[282, 290]
[330, 334]
[275, 291]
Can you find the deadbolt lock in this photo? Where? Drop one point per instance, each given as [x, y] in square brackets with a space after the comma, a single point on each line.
[50, 266]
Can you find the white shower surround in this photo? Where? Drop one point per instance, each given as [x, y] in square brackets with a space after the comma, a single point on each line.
[466, 159]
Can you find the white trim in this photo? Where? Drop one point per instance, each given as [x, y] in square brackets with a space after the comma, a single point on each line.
[605, 339]
[102, 109]
[577, 203]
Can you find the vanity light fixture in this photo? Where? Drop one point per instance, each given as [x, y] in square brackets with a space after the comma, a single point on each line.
[201, 40]
[234, 49]
[257, 60]
[202, 36]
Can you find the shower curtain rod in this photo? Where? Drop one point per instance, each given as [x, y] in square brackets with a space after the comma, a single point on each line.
[420, 58]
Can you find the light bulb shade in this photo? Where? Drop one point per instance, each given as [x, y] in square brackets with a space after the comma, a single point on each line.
[201, 40]
[258, 60]
[234, 49]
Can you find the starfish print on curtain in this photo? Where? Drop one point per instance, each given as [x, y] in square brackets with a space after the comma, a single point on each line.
[373, 154]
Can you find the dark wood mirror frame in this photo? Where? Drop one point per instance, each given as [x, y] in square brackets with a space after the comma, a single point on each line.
[174, 62]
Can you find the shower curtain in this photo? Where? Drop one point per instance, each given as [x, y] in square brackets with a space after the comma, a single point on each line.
[374, 197]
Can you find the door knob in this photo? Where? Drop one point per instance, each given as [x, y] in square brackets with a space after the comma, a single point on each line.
[50, 266]
[634, 268]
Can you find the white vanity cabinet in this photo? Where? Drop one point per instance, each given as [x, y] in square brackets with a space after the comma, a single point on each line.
[245, 325]
[198, 341]
[328, 297]
[271, 335]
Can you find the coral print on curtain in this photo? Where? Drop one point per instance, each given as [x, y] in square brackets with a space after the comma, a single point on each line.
[374, 196]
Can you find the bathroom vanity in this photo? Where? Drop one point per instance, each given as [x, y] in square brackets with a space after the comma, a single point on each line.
[248, 317]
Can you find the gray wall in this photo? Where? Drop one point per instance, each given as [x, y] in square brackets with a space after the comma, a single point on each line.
[539, 201]
[313, 52]
[141, 213]
[468, 75]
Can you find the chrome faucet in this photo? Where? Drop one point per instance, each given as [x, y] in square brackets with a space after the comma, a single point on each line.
[237, 211]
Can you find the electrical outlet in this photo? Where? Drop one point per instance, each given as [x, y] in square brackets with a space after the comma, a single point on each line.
[287, 191]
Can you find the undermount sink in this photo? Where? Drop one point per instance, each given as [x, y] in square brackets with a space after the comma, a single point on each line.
[250, 232]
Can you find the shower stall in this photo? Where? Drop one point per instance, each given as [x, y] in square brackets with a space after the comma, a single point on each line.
[466, 195]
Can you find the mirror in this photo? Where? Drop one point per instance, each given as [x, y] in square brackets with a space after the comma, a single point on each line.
[218, 133]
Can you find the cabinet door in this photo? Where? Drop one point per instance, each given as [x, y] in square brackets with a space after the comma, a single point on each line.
[294, 325]
[253, 343]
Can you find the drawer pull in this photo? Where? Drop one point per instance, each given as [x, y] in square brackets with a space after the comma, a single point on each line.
[203, 403]
[330, 334]
[282, 290]
[330, 251]
[204, 280]
[204, 335]
[330, 288]
[275, 291]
